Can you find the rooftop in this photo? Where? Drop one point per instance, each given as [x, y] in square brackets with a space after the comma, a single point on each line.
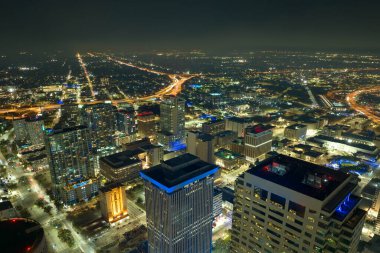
[122, 159]
[352, 144]
[205, 137]
[225, 133]
[149, 147]
[296, 126]
[212, 122]
[228, 155]
[174, 174]
[256, 129]
[50, 131]
[355, 218]
[109, 187]
[241, 120]
[307, 178]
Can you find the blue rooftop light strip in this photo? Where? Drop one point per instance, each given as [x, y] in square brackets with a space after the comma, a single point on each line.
[346, 206]
[178, 186]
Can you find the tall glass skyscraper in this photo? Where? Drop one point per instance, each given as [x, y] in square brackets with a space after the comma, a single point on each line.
[71, 163]
[179, 205]
[101, 120]
[172, 123]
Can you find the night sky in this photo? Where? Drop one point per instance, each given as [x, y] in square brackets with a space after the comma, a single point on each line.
[189, 24]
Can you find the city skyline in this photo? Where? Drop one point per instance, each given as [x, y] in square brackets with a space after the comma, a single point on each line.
[189, 126]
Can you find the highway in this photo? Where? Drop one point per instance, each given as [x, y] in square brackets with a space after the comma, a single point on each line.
[351, 99]
[174, 88]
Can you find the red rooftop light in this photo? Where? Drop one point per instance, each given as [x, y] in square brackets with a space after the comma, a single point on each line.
[145, 113]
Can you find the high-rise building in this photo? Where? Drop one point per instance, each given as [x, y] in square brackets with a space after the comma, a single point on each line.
[71, 163]
[179, 205]
[288, 205]
[172, 123]
[71, 115]
[101, 120]
[113, 202]
[238, 125]
[257, 141]
[126, 124]
[201, 145]
[29, 131]
[146, 122]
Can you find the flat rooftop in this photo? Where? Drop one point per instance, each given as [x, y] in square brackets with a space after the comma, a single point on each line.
[307, 178]
[296, 126]
[325, 138]
[175, 173]
[212, 122]
[226, 154]
[241, 120]
[122, 159]
[50, 131]
[110, 186]
[256, 129]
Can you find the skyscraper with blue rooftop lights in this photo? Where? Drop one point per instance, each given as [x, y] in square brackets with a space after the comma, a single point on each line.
[179, 205]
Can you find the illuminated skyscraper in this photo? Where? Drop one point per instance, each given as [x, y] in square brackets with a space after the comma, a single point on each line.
[146, 122]
[288, 205]
[71, 164]
[172, 123]
[101, 121]
[71, 115]
[126, 123]
[179, 205]
[113, 202]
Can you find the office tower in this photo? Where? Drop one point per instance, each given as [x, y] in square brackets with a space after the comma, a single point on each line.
[217, 202]
[101, 120]
[201, 145]
[146, 122]
[214, 127]
[29, 131]
[113, 202]
[179, 205]
[71, 164]
[288, 205]
[257, 141]
[295, 132]
[71, 115]
[238, 125]
[121, 167]
[172, 123]
[126, 123]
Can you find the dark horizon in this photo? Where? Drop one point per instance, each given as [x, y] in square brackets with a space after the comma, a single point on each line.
[221, 26]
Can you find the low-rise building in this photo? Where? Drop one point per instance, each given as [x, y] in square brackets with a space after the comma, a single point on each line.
[113, 202]
[295, 132]
[228, 160]
[121, 167]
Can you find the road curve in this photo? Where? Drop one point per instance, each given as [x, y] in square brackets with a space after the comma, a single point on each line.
[367, 111]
